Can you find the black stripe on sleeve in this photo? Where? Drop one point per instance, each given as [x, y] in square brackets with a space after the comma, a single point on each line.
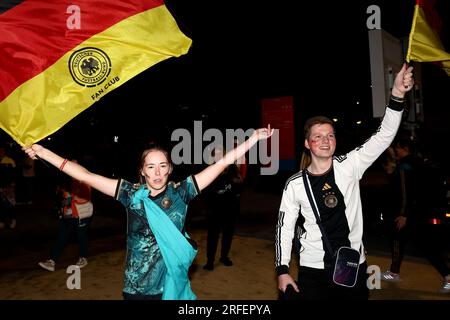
[195, 184]
[396, 105]
[295, 176]
[282, 270]
[116, 194]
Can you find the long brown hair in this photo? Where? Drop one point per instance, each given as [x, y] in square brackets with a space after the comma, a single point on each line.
[306, 159]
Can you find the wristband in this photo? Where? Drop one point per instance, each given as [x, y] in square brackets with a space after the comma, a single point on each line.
[62, 165]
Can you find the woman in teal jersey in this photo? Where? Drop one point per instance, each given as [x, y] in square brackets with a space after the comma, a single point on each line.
[159, 252]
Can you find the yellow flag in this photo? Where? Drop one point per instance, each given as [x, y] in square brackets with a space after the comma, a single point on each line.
[424, 42]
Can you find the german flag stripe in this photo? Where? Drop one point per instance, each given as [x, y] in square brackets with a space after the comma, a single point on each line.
[36, 33]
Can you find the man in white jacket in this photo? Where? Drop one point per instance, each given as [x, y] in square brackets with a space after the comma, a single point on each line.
[335, 188]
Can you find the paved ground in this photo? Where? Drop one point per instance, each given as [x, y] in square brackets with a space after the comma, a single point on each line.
[251, 278]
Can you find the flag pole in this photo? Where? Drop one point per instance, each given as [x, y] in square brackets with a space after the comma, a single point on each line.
[43, 161]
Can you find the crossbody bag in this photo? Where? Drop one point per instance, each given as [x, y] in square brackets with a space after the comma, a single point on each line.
[346, 265]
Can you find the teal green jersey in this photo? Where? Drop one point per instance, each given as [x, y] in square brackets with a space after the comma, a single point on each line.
[145, 269]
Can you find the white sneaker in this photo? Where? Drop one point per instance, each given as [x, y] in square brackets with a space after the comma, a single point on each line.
[390, 276]
[48, 265]
[82, 262]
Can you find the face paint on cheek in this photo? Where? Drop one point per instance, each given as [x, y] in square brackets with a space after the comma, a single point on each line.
[314, 145]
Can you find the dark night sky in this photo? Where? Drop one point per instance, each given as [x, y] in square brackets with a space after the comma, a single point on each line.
[315, 51]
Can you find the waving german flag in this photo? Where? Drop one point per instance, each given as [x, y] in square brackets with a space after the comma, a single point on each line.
[57, 59]
[424, 42]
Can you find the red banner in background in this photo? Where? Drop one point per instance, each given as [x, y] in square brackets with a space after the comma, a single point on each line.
[279, 113]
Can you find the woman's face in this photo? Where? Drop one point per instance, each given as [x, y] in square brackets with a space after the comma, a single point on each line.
[321, 141]
[156, 171]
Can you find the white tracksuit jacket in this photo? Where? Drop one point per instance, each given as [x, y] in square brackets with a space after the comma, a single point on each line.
[348, 170]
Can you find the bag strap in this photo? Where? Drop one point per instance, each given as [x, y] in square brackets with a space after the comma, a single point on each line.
[316, 211]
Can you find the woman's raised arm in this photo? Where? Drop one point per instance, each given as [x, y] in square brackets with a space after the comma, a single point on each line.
[209, 174]
[102, 184]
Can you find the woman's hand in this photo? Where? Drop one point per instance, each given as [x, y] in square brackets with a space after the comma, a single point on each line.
[403, 82]
[263, 133]
[33, 151]
[284, 280]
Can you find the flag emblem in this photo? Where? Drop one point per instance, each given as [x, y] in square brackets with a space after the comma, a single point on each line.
[89, 66]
